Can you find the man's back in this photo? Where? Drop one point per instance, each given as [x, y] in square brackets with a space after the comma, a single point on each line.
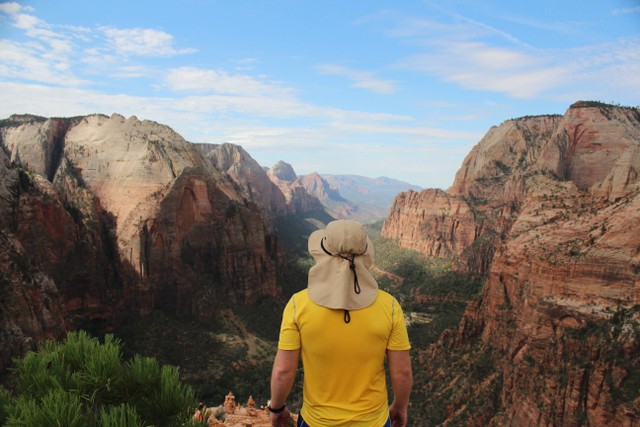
[344, 362]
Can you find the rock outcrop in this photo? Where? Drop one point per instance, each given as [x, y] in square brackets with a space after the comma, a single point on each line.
[118, 215]
[560, 309]
[252, 179]
[448, 222]
[593, 146]
[299, 199]
[336, 205]
[561, 302]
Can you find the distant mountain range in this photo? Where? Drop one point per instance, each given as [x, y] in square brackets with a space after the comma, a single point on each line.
[344, 196]
[355, 197]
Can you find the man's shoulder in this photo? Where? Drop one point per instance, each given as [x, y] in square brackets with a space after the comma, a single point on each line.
[300, 297]
[385, 296]
[301, 294]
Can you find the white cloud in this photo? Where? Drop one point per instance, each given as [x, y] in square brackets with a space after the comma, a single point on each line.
[479, 66]
[33, 61]
[222, 82]
[360, 79]
[142, 42]
[10, 8]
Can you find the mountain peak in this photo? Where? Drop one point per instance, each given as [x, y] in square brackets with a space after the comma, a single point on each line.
[283, 171]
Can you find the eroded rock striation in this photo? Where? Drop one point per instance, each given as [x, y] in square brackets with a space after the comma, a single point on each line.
[559, 313]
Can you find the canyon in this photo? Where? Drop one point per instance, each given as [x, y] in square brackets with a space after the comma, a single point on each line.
[104, 218]
[107, 220]
[548, 208]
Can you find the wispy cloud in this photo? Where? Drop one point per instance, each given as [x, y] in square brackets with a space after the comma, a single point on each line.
[481, 57]
[142, 42]
[11, 8]
[360, 79]
[223, 82]
[479, 66]
[626, 10]
[52, 51]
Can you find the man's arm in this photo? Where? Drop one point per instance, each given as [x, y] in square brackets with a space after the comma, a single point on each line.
[401, 383]
[283, 375]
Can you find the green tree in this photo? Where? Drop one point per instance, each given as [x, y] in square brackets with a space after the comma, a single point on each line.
[82, 382]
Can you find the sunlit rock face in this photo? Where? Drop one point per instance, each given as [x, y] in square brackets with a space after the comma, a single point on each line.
[560, 195]
[299, 200]
[277, 192]
[123, 216]
[594, 147]
[447, 220]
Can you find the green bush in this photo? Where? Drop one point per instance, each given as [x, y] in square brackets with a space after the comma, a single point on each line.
[119, 416]
[83, 382]
[5, 402]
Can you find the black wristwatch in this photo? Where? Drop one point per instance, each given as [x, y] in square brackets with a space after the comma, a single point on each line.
[276, 410]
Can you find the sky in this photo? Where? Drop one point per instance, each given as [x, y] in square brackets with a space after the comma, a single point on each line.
[402, 89]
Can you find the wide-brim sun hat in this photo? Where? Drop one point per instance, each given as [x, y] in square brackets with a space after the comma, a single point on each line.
[340, 279]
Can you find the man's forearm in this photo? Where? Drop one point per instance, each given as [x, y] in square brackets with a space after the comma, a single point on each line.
[401, 376]
[402, 383]
[283, 375]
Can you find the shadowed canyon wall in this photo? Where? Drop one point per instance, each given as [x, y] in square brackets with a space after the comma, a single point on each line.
[107, 217]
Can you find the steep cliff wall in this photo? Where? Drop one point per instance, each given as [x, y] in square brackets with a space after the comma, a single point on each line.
[561, 304]
[118, 215]
[559, 315]
[447, 220]
[252, 179]
[298, 198]
[593, 146]
[56, 270]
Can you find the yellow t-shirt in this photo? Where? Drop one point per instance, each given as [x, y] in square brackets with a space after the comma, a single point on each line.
[344, 378]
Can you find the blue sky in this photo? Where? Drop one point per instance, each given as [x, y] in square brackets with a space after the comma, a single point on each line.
[402, 89]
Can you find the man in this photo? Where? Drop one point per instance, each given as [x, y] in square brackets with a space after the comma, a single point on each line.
[342, 326]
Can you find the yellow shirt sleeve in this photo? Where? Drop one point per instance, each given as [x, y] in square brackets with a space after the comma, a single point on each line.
[289, 333]
[399, 338]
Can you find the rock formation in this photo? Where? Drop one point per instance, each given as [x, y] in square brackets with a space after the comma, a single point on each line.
[252, 179]
[560, 310]
[231, 414]
[118, 216]
[334, 203]
[298, 198]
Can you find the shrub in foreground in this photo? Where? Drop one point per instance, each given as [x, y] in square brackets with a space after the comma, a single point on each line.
[82, 382]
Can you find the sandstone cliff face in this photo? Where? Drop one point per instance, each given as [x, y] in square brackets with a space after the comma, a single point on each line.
[123, 215]
[336, 205]
[275, 191]
[560, 307]
[55, 275]
[299, 200]
[560, 302]
[252, 179]
[447, 220]
[595, 147]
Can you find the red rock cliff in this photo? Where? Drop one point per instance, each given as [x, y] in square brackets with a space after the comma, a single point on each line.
[121, 214]
[560, 310]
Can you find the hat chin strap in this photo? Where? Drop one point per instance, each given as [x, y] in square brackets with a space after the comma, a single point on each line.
[352, 266]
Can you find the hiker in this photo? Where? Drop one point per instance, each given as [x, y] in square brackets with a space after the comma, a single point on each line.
[342, 326]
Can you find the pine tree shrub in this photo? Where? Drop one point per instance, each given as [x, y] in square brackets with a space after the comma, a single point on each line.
[82, 382]
[6, 401]
[119, 416]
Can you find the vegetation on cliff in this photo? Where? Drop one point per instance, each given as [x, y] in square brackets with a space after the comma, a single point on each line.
[82, 382]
